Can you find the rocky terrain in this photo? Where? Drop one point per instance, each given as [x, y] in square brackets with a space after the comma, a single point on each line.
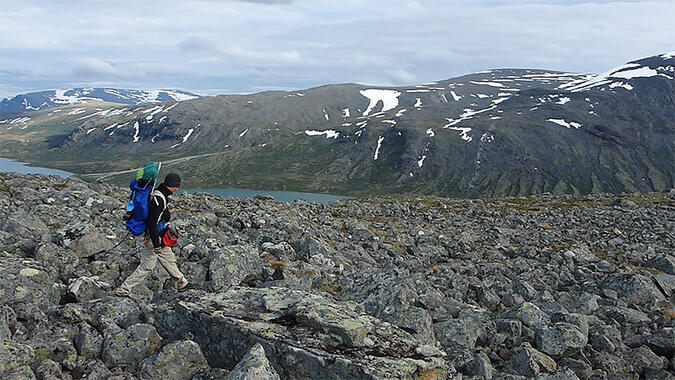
[398, 287]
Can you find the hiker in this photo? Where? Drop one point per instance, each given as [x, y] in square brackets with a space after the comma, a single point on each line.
[158, 212]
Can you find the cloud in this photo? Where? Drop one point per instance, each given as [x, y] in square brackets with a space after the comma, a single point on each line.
[246, 45]
[93, 67]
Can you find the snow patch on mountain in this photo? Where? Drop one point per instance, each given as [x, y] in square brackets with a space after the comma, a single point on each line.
[188, 134]
[389, 99]
[564, 123]
[379, 145]
[330, 134]
[464, 132]
[137, 130]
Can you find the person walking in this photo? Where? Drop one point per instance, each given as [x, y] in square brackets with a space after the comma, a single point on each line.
[158, 212]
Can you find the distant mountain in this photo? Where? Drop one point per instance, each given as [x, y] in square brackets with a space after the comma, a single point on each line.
[36, 101]
[492, 133]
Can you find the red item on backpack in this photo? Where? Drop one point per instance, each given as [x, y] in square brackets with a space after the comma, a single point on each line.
[169, 240]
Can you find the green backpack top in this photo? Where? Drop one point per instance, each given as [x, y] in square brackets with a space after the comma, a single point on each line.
[148, 174]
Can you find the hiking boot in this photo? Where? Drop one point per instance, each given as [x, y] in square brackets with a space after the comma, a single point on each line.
[182, 283]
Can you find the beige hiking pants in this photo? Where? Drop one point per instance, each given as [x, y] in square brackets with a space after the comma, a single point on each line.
[148, 262]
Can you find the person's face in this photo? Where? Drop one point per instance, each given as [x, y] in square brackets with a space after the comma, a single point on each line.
[172, 189]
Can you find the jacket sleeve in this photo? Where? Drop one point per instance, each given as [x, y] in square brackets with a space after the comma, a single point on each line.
[153, 217]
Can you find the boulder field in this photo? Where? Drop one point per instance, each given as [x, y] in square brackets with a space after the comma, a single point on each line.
[398, 287]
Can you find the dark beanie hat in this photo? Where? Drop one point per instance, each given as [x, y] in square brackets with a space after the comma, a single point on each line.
[172, 180]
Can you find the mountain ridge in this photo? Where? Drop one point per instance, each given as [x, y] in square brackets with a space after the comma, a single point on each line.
[496, 132]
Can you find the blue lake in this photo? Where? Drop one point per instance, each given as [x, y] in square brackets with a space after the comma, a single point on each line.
[279, 196]
[7, 165]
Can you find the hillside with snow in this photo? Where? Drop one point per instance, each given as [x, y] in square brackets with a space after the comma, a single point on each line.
[36, 101]
[492, 133]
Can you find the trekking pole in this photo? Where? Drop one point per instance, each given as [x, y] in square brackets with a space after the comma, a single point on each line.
[123, 239]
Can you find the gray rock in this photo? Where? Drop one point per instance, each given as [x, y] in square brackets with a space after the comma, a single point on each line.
[527, 361]
[129, 347]
[561, 339]
[88, 342]
[634, 287]
[392, 298]
[49, 370]
[60, 350]
[254, 366]
[530, 314]
[87, 288]
[664, 263]
[92, 369]
[84, 239]
[176, 361]
[561, 374]
[643, 359]
[480, 366]
[15, 357]
[463, 331]
[232, 265]
[581, 368]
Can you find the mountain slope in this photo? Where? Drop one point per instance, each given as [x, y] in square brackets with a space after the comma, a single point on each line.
[499, 132]
[56, 98]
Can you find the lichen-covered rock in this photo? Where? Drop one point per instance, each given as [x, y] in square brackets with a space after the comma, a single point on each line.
[560, 339]
[480, 366]
[87, 289]
[392, 298]
[176, 361]
[633, 287]
[15, 357]
[60, 350]
[49, 370]
[391, 287]
[254, 366]
[88, 342]
[227, 324]
[561, 374]
[129, 347]
[527, 361]
[232, 265]
[84, 238]
[530, 314]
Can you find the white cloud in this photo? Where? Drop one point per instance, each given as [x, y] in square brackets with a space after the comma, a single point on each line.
[249, 45]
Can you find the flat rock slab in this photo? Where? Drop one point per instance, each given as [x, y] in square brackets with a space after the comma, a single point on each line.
[305, 335]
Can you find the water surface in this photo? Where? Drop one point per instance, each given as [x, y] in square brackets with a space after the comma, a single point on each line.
[12, 166]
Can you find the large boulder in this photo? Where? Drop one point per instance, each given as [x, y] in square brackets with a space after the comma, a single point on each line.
[529, 314]
[233, 265]
[84, 239]
[633, 287]
[176, 361]
[392, 298]
[304, 334]
[560, 339]
[254, 366]
[129, 347]
[29, 286]
[527, 361]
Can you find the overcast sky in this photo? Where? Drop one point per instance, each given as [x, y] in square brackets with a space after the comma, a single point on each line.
[227, 46]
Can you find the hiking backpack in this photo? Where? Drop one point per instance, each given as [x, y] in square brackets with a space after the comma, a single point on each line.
[139, 200]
